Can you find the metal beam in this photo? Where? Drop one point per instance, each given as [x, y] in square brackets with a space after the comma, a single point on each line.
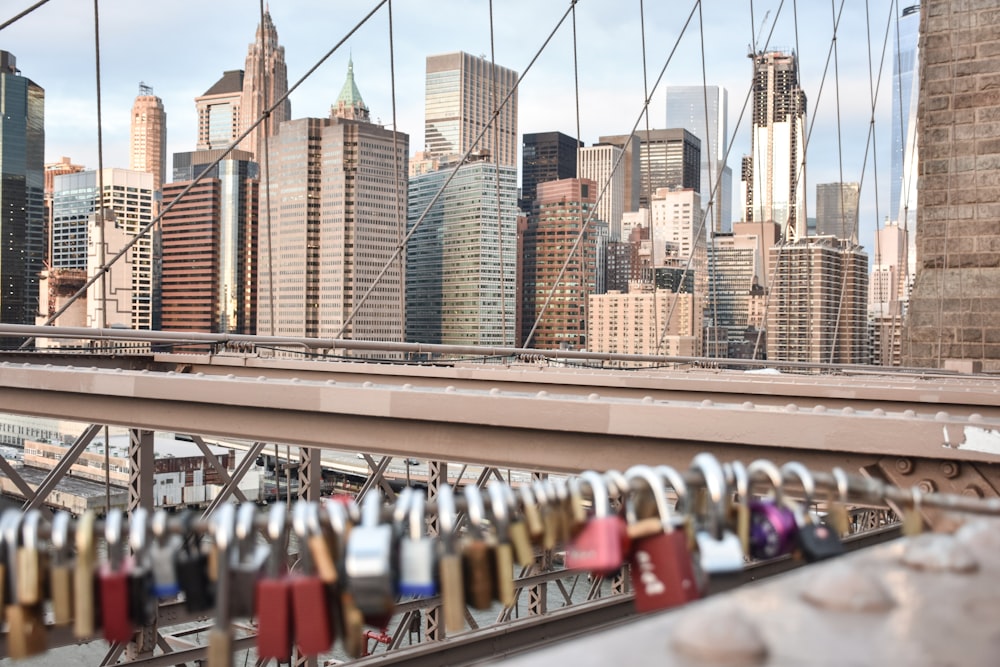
[251, 456]
[22, 486]
[63, 467]
[141, 466]
[219, 469]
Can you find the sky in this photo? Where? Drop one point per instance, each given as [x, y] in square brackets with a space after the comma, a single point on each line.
[182, 47]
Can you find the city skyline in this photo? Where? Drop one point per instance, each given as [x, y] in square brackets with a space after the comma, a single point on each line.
[610, 79]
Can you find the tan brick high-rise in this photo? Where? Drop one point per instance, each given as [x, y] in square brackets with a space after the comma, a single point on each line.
[149, 136]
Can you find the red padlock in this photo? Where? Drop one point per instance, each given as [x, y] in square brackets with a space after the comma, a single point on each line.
[310, 611]
[661, 564]
[274, 594]
[597, 548]
[113, 578]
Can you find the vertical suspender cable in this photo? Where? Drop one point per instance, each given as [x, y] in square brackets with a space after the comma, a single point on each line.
[396, 166]
[495, 94]
[649, 178]
[265, 175]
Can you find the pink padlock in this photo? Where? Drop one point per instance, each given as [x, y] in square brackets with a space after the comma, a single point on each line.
[598, 547]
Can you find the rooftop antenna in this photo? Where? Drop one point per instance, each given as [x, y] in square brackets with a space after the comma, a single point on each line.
[144, 89]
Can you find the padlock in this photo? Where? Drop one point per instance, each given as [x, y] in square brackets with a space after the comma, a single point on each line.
[25, 625]
[113, 580]
[191, 568]
[417, 553]
[220, 636]
[478, 554]
[520, 536]
[599, 547]
[772, 524]
[274, 593]
[562, 501]
[86, 604]
[163, 549]
[346, 619]
[532, 514]
[370, 562]
[450, 563]
[739, 502]
[837, 514]
[247, 563]
[142, 600]
[684, 508]
[816, 541]
[660, 563]
[30, 568]
[310, 613]
[550, 514]
[720, 550]
[504, 550]
[61, 571]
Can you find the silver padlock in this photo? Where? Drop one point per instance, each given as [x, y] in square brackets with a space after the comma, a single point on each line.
[370, 561]
[417, 554]
[719, 548]
[161, 557]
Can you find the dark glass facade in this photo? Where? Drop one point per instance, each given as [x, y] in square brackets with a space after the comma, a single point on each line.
[545, 156]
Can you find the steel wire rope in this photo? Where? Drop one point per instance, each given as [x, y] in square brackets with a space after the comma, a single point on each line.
[496, 163]
[17, 17]
[800, 173]
[400, 224]
[454, 171]
[156, 219]
[649, 177]
[709, 212]
[835, 18]
[614, 167]
[955, 22]
[739, 122]
[266, 173]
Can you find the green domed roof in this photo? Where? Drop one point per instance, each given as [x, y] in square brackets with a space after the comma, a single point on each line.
[349, 94]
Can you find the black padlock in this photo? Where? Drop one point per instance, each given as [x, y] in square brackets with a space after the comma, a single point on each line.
[191, 568]
[142, 601]
[815, 540]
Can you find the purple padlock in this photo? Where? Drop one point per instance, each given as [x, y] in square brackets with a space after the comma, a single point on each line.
[772, 529]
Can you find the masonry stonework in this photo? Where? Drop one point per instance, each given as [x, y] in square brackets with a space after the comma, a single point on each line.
[955, 304]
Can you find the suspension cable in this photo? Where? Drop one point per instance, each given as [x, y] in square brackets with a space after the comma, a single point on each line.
[496, 159]
[454, 172]
[266, 176]
[649, 176]
[615, 166]
[17, 17]
[143, 231]
[400, 211]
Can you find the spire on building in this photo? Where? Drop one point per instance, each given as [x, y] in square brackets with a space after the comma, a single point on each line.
[349, 104]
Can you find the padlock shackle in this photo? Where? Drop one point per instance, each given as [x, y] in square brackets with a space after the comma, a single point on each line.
[655, 484]
[371, 508]
[843, 484]
[415, 519]
[113, 524]
[805, 478]
[678, 485]
[762, 468]
[475, 508]
[499, 508]
[278, 533]
[300, 526]
[10, 524]
[401, 511]
[138, 532]
[737, 473]
[715, 482]
[598, 492]
[59, 536]
[446, 516]
[29, 529]
[244, 530]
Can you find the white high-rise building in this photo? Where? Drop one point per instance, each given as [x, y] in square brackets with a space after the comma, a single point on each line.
[676, 217]
[774, 174]
[128, 203]
[598, 164]
[686, 108]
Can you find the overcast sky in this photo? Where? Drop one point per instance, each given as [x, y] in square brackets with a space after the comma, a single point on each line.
[181, 47]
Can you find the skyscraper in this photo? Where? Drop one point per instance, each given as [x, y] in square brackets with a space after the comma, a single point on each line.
[337, 206]
[127, 197]
[563, 207]
[817, 310]
[209, 272]
[905, 90]
[656, 159]
[774, 175]
[461, 262]
[264, 82]
[219, 112]
[837, 210]
[686, 108]
[462, 94]
[545, 156]
[22, 192]
[597, 163]
[149, 136]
